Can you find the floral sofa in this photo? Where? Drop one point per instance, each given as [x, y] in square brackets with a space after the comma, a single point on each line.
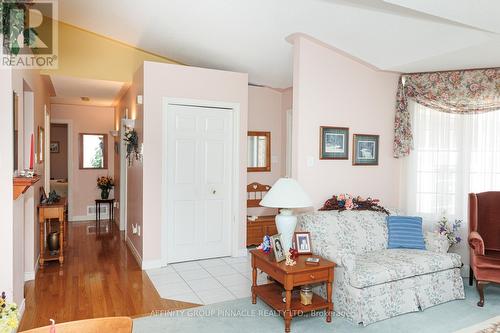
[372, 282]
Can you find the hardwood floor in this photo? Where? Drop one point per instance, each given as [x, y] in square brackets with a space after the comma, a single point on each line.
[100, 278]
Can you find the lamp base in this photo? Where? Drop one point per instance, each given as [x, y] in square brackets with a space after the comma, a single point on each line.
[286, 223]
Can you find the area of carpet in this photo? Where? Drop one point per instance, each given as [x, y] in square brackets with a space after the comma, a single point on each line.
[242, 316]
[489, 326]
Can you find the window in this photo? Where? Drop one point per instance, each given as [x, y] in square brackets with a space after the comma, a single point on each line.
[93, 151]
[453, 155]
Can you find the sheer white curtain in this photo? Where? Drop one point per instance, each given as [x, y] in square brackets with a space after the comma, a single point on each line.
[453, 155]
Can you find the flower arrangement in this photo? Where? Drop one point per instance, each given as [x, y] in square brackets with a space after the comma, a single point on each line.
[132, 141]
[343, 202]
[9, 319]
[105, 184]
[450, 231]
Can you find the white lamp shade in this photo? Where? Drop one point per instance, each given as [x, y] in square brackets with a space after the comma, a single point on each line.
[286, 193]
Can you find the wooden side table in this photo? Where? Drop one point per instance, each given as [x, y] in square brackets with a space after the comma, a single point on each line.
[289, 277]
[45, 213]
[98, 203]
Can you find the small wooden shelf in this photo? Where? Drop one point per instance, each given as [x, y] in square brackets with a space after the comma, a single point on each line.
[21, 185]
[271, 294]
[47, 212]
[50, 257]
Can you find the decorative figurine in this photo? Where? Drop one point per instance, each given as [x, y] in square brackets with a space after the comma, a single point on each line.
[265, 246]
[289, 261]
[294, 253]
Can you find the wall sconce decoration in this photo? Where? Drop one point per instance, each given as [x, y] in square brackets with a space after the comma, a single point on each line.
[132, 144]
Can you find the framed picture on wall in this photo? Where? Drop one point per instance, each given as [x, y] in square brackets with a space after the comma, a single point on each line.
[334, 143]
[54, 147]
[365, 151]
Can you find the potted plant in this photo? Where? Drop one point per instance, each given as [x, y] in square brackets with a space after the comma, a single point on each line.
[105, 184]
[9, 316]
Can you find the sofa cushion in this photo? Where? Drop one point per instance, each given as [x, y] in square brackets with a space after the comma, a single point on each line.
[405, 232]
[373, 268]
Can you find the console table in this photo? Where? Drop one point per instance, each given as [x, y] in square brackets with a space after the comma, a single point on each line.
[98, 203]
[288, 277]
[46, 212]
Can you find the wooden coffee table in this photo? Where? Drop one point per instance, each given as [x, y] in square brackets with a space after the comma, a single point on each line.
[288, 277]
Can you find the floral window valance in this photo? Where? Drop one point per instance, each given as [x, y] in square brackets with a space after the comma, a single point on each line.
[466, 91]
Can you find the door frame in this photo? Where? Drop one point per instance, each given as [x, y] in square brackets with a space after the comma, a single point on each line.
[69, 123]
[236, 165]
[123, 175]
[46, 146]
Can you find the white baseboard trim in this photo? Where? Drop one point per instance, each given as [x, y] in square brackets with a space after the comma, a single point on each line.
[241, 252]
[79, 218]
[134, 251]
[21, 309]
[29, 276]
[151, 264]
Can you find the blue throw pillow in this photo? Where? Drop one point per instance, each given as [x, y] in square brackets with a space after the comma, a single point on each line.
[405, 232]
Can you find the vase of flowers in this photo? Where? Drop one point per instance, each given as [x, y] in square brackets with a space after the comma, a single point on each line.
[105, 184]
[9, 316]
[450, 230]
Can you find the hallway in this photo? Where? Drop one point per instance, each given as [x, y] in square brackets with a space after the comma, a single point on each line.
[100, 277]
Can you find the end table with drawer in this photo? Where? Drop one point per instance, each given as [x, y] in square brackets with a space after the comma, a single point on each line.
[288, 277]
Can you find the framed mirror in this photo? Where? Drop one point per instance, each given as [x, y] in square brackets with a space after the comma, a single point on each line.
[259, 151]
[93, 151]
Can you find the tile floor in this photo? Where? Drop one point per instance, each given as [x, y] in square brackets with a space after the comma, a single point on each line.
[206, 281]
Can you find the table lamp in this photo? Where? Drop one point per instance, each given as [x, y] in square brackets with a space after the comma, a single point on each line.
[286, 194]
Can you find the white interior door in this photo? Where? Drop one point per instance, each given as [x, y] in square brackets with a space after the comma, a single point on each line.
[199, 182]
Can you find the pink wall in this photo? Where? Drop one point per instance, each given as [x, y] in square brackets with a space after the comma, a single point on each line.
[27, 238]
[134, 171]
[59, 161]
[18, 245]
[265, 113]
[6, 166]
[286, 105]
[166, 80]
[85, 119]
[331, 89]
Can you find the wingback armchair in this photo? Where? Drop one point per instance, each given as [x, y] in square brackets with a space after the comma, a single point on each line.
[484, 240]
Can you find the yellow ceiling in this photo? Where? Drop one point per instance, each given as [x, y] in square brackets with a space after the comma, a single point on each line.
[88, 55]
